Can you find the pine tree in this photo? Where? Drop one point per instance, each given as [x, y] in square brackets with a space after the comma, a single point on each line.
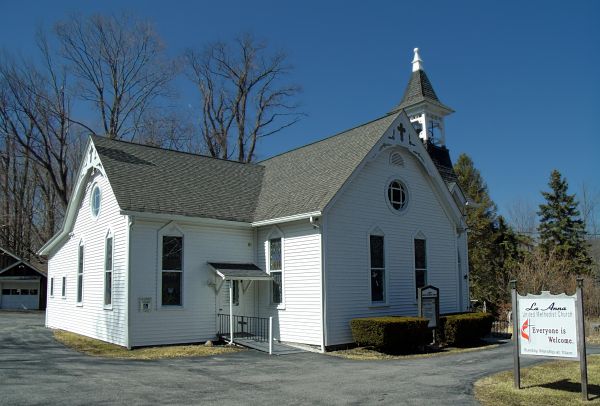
[481, 223]
[561, 229]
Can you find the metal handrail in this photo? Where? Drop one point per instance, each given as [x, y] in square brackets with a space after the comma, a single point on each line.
[255, 328]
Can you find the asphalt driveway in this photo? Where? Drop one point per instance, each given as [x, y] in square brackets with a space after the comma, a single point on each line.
[35, 369]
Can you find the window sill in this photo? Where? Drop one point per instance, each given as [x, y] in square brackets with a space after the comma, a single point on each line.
[108, 307]
[379, 306]
[278, 306]
[172, 308]
[80, 304]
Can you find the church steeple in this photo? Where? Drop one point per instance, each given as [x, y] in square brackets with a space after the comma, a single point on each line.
[422, 105]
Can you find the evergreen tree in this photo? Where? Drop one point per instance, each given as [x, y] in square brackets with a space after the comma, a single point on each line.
[481, 223]
[561, 229]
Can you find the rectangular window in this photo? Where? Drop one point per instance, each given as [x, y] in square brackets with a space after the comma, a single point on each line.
[64, 286]
[80, 275]
[108, 268]
[377, 268]
[6, 292]
[275, 269]
[172, 270]
[33, 292]
[51, 286]
[236, 292]
[420, 264]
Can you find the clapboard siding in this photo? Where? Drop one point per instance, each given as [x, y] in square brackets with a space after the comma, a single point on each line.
[361, 208]
[195, 321]
[299, 319]
[91, 318]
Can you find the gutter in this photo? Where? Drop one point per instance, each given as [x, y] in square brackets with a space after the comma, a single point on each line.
[286, 219]
[187, 219]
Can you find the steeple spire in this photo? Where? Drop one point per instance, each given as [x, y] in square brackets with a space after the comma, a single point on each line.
[417, 62]
[422, 105]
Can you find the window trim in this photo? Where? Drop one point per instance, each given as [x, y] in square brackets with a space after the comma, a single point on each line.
[95, 186]
[419, 236]
[80, 273]
[404, 209]
[109, 235]
[276, 233]
[377, 232]
[170, 230]
[52, 286]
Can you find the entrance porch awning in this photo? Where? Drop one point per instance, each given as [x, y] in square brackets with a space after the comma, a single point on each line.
[239, 272]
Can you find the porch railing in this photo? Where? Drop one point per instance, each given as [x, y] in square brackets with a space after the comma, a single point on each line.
[254, 328]
[502, 328]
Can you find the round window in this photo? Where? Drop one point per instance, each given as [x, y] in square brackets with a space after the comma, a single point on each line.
[397, 195]
[95, 202]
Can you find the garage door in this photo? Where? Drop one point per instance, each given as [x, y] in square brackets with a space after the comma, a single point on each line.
[19, 297]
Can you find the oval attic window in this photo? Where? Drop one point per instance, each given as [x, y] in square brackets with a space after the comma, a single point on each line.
[95, 201]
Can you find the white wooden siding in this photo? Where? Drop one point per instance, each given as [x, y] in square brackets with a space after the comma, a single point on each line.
[91, 318]
[362, 207]
[299, 318]
[195, 321]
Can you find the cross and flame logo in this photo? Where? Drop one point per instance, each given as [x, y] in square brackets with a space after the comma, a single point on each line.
[525, 330]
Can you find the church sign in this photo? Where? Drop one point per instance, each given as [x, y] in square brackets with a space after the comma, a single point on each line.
[429, 304]
[549, 326]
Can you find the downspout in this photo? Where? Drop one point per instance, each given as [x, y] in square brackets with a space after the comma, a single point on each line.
[128, 318]
[323, 230]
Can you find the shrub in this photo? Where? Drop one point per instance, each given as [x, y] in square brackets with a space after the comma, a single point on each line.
[397, 334]
[464, 329]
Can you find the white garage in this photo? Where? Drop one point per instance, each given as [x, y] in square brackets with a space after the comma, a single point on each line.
[22, 286]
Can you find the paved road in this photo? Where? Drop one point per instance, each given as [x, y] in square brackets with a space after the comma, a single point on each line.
[36, 370]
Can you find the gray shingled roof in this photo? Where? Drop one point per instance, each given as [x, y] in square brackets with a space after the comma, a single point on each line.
[150, 179]
[306, 179]
[155, 180]
[419, 89]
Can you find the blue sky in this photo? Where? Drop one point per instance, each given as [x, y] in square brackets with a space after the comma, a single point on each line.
[522, 76]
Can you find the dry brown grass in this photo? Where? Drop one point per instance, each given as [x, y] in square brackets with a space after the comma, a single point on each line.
[99, 348]
[370, 354]
[552, 383]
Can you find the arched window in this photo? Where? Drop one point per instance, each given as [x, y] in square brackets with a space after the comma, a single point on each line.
[80, 261]
[420, 251]
[377, 266]
[275, 262]
[108, 268]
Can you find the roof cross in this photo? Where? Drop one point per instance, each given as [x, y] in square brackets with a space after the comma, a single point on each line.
[402, 130]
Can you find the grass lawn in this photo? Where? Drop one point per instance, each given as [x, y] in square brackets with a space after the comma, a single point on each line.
[551, 383]
[99, 348]
[370, 354]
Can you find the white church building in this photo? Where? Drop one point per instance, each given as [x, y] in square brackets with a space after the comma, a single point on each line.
[161, 247]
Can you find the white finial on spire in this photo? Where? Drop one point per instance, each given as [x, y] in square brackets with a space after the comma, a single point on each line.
[417, 62]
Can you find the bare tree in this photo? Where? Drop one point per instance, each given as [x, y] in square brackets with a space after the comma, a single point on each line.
[170, 129]
[121, 67]
[522, 216]
[590, 204]
[34, 111]
[242, 95]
